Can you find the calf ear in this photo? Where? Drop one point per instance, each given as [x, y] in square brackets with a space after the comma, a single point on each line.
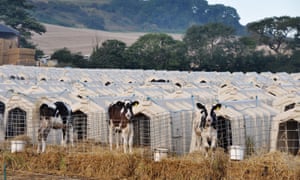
[120, 103]
[135, 103]
[200, 106]
[217, 106]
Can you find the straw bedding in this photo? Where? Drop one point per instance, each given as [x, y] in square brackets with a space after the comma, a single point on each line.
[103, 164]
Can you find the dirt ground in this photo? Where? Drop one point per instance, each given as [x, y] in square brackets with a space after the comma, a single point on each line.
[81, 40]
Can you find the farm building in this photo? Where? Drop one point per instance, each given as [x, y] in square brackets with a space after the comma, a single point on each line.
[10, 52]
[20, 117]
[166, 123]
[255, 105]
[152, 125]
[285, 134]
[250, 122]
[286, 102]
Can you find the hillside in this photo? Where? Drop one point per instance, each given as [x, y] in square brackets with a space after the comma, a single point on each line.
[134, 15]
[80, 39]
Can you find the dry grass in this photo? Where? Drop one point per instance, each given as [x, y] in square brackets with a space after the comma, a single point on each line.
[81, 40]
[268, 166]
[101, 163]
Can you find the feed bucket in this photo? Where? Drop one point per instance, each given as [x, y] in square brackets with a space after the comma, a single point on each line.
[237, 152]
[17, 146]
[160, 153]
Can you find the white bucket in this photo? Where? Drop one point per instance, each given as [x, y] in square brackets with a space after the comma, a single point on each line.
[237, 152]
[17, 146]
[160, 153]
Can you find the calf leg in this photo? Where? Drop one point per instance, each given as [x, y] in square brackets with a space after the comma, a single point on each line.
[205, 145]
[42, 137]
[125, 141]
[130, 139]
[125, 136]
[117, 136]
[214, 143]
[39, 141]
[63, 138]
[70, 134]
[198, 142]
[43, 145]
[39, 145]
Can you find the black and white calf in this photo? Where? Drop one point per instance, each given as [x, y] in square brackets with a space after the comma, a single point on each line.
[196, 140]
[120, 122]
[55, 116]
[206, 129]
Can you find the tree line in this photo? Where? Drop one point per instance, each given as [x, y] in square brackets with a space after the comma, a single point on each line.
[135, 15]
[272, 44]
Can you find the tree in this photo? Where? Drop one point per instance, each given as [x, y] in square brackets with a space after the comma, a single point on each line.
[15, 13]
[169, 15]
[245, 46]
[156, 51]
[79, 61]
[276, 32]
[63, 56]
[66, 58]
[109, 55]
[204, 42]
[295, 61]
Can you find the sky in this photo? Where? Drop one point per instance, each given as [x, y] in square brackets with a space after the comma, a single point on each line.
[254, 10]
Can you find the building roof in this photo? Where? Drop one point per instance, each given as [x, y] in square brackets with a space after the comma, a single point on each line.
[8, 30]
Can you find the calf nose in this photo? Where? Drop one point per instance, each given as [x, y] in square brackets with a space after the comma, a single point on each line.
[208, 121]
[128, 115]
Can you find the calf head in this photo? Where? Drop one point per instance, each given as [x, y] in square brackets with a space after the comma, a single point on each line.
[47, 110]
[208, 115]
[127, 108]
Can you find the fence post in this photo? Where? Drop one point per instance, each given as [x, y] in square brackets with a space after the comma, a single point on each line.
[4, 171]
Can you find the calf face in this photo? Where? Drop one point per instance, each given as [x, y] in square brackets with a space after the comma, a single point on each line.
[127, 108]
[208, 118]
[121, 112]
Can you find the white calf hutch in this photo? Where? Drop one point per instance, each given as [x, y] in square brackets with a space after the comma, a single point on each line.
[259, 113]
[152, 125]
[250, 123]
[285, 134]
[20, 117]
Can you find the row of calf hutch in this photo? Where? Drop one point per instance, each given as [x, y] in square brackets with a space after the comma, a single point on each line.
[261, 111]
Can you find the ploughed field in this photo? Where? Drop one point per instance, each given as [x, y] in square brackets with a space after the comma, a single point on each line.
[80, 39]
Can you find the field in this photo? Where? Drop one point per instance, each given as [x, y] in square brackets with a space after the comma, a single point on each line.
[80, 40]
[97, 162]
